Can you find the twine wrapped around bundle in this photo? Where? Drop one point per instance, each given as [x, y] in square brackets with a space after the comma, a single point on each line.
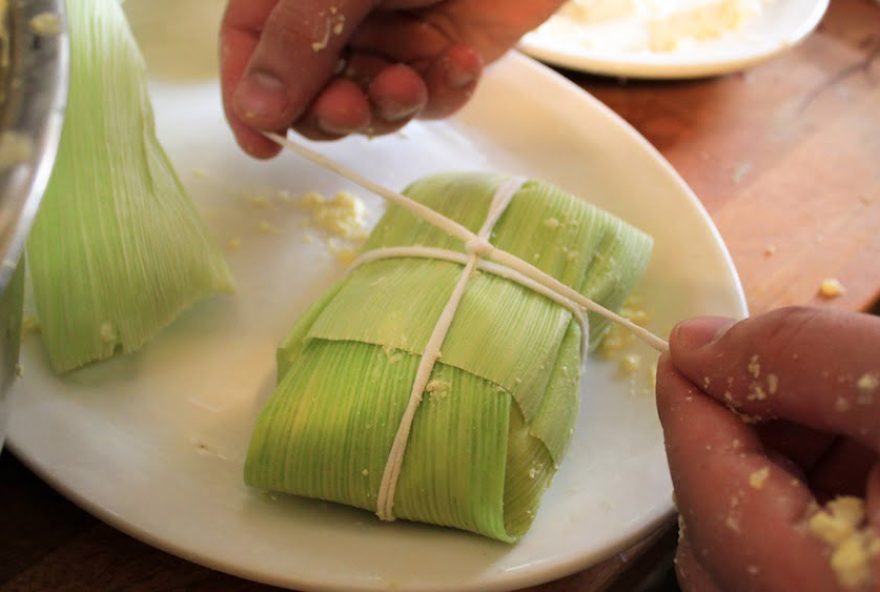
[435, 386]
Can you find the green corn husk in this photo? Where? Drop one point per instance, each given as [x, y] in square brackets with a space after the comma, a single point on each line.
[485, 444]
[117, 250]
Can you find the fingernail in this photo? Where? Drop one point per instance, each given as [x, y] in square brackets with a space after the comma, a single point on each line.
[260, 96]
[335, 129]
[458, 77]
[392, 111]
[700, 332]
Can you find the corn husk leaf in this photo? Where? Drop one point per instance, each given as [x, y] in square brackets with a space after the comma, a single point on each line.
[502, 402]
[117, 250]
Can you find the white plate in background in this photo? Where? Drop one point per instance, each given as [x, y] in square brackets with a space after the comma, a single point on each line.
[779, 26]
[154, 443]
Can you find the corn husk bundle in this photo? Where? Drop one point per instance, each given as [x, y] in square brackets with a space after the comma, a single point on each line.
[117, 250]
[498, 412]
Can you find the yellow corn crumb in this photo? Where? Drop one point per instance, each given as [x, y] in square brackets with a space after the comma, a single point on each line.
[438, 385]
[552, 223]
[759, 477]
[850, 562]
[630, 364]
[702, 23]
[772, 383]
[233, 244]
[868, 383]
[754, 366]
[343, 216]
[200, 173]
[267, 228]
[107, 332]
[838, 525]
[831, 288]
[848, 509]
[393, 354]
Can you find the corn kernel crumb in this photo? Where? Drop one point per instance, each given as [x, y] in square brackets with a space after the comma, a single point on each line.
[552, 223]
[772, 383]
[630, 364]
[831, 288]
[754, 366]
[759, 477]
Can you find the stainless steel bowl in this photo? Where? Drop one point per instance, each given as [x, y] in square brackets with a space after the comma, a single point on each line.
[34, 95]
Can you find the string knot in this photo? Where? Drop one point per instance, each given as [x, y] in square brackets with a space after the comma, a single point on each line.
[479, 246]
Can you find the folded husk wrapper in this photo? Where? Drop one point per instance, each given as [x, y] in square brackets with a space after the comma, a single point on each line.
[117, 250]
[501, 405]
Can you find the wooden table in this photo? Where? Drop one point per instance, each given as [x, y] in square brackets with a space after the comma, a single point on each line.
[786, 158]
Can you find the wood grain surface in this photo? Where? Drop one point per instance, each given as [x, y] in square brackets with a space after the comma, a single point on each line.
[786, 158]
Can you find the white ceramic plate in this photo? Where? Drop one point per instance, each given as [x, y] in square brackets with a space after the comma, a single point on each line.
[154, 443]
[599, 49]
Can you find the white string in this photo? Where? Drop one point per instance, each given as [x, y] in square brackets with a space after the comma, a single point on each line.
[472, 241]
[391, 474]
[483, 265]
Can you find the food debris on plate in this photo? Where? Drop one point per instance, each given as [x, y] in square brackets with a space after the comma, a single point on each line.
[651, 26]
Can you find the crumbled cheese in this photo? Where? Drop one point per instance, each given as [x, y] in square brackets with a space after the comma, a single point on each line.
[266, 228]
[705, 22]
[630, 364]
[754, 366]
[343, 216]
[756, 392]
[393, 354]
[841, 405]
[437, 385]
[46, 24]
[759, 477]
[107, 332]
[840, 526]
[850, 562]
[365, 472]
[598, 11]
[552, 223]
[831, 288]
[772, 383]
[868, 383]
[345, 255]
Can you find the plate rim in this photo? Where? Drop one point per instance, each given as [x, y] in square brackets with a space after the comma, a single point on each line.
[502, 581]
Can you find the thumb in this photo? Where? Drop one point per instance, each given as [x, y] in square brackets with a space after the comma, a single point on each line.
[277, 54]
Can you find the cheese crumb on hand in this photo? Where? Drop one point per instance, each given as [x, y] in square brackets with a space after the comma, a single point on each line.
[759, 477]
[841, 525]
[831, 288]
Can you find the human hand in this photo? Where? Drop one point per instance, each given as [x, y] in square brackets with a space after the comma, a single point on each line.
[749, 493]
[330, 68]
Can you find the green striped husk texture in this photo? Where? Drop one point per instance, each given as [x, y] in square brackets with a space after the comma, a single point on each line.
[117, 250]
[487, 439]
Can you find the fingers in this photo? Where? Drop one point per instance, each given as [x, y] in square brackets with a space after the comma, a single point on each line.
[819, 368]
[744, 514]
[276, 56]
[691, 575]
